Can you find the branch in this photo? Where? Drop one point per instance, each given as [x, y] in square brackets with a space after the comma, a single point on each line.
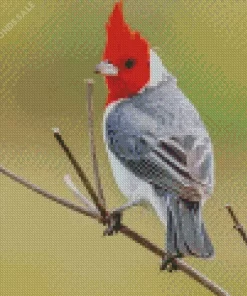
[124, 230]
[237, 225]
[89, 84]
[150, 246]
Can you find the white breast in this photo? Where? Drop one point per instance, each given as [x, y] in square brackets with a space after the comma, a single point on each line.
[135, 189]
[131, 186]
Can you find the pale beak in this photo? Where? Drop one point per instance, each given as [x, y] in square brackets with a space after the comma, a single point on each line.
[106, 68]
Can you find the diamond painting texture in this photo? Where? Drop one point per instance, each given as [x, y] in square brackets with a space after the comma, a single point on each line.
[45, 55]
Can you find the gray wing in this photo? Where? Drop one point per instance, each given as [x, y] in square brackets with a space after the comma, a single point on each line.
[159, 136]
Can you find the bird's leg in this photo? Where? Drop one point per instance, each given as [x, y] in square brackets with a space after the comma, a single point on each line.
[128, 205]
[113, 223]
[168, 262]
[114, 218]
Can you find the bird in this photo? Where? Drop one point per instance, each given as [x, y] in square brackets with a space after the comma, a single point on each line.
[158, 146]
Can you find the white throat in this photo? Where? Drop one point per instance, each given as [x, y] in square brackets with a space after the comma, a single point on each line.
[158, 72]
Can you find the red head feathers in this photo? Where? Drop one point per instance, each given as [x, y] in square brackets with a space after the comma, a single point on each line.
[129, 53]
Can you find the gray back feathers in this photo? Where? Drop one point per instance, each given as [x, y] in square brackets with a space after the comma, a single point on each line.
[159, 136]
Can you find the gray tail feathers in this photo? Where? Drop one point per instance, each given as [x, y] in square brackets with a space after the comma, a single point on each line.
[185, 229]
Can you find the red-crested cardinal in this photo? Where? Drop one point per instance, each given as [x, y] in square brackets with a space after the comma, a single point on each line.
[157, 144]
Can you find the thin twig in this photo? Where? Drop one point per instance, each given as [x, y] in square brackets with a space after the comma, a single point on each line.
[156, 250]
[78, 170]
[237, 225]
[68, 181]
[89, 84]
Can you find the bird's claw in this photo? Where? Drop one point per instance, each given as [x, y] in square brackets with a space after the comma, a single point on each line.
[168, 262]
[114, 223]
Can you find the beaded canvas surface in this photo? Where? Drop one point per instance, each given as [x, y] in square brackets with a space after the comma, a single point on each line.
[47, 51]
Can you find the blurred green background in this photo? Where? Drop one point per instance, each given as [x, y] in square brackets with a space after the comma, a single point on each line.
[46, 249]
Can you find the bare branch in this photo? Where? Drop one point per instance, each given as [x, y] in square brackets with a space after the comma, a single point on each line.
[237, 225]
[89, 84]
[124, 230]
[78, 170]
[78, 194]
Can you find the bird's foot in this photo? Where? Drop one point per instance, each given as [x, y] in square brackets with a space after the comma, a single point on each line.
[113, 222]
[168, 262]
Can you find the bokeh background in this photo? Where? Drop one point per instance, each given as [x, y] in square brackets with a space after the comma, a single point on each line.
[46, 249]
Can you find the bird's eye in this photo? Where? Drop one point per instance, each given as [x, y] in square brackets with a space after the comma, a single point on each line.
[129, 63]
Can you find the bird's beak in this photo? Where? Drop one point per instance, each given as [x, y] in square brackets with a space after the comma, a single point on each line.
[106, 68]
